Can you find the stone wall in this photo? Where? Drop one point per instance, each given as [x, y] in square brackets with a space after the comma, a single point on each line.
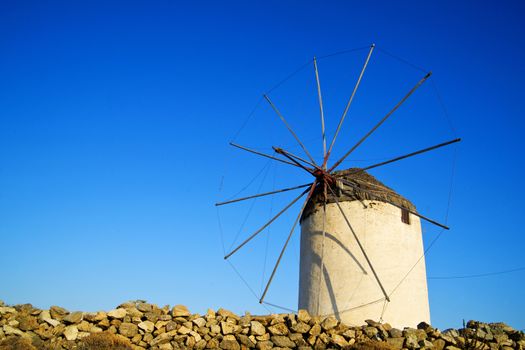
[148, 326]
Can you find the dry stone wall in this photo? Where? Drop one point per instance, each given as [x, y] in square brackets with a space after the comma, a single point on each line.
[148, 326]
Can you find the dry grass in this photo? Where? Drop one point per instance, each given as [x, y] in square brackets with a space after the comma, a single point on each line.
[104, 341]
[372, 345]
[16, 343]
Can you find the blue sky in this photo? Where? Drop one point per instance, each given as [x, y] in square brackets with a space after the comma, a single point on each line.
[115, 119]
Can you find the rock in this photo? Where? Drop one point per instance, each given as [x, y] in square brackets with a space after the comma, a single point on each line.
[27, 323]
[372, 323]
[200, 345]
[329, 323]
[119, 313]
[9, 330]
[451, 332]
[200, 322]
[229, 328]
[448, 338]
[71, 332]
[210, 314]
[147, 326]
[396, 343]
[339, 340]
[58, 312]
[144, 307]
[245, 340]
[165, 346]
[7, 310]
[256, 328]
[371, 332]
[395, 333]
[426, 344]
[315, 330]
[44, 314]
[195, 336]
[349, 333]
[216, 329]
[301, 327]
[213, 343]
[439, 344]
[411, 341]
[94, 316]
[278, 329]
[229, 342]
[161, 339]
[73, 318]
[264, 345]
[180, 311]
[128, 330]
[227, 313]
[303, 316]
[298, 339]
[51, 322]
[183, 330]
[282, 341]
[264, 337]
[424, 326]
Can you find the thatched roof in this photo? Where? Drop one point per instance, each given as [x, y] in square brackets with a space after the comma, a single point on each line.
[363, 181]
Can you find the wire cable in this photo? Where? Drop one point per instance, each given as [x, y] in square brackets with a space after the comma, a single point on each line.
[248, 118]
[443, 107]
[289, 76]
[280, 307]
[252, 205]
[343, 52]
[416, 67]
[486, 274]
[245, 282]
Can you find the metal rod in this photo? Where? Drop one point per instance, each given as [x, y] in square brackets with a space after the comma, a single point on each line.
[359, 244]
[381, 121]
[395, 205]
[289, 128]
[281, 151]
[412, 154]
[320, 106]
[262, 194]
[265, 225]
[261, 154]
[287, 241]
[327, 155]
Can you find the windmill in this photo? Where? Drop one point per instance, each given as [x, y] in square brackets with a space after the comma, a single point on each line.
[357, 234]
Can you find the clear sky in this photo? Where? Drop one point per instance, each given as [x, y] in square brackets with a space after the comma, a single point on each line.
[115, 119]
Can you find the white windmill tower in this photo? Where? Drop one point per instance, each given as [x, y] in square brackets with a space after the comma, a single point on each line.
[359, 238]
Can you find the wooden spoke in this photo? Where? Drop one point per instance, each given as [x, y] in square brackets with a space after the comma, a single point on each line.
[311, 191]
[284, 153]
[261, 154]
[359, 244]
[289, 128]
[394, 204]
[327, 155]
[411, 154]
[320, 106]
[262, 194]
[266, 225]
[381, 121]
